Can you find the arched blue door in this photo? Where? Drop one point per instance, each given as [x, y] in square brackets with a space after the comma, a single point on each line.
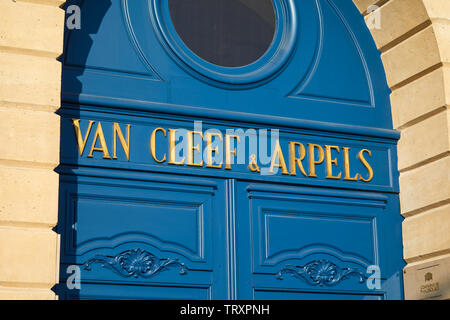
[259, 165]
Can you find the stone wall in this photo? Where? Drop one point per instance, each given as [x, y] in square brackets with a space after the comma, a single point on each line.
[414, 39]
[31, 38]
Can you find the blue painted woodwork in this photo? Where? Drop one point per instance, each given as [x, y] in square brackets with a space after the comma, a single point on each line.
[139, 229]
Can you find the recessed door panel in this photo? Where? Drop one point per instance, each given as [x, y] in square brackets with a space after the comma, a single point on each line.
[127, 292]
[158, 231]
[312, 240]
[305, 295]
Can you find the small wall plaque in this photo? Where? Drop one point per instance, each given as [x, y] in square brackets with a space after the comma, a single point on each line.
[430, 280]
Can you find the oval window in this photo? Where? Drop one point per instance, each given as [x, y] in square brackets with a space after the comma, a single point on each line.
[227, 33]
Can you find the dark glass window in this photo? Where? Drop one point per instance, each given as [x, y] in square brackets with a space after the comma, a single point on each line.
[229, 33]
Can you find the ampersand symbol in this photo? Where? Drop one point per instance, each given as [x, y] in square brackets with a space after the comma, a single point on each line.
[253, 166]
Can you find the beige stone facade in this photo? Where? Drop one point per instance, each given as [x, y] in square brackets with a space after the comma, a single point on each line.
[414, 39]
[31, 37]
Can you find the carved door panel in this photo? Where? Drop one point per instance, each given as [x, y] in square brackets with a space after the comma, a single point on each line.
[304, 243]
[156, 237]
[166, 237]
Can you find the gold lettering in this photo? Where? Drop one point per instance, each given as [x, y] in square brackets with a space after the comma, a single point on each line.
[330, 162]
[312, 158]
[278, 153]
[153, 145]
[366, 164]
[228, 152]
[125, 145]
[294, 161]
[172, 135]
[103, 148]
[253, 164]
[210, 150]
[80, 140]
[191, 148]
[347, 166]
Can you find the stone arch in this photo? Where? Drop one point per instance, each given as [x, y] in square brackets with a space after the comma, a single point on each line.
[414, 39]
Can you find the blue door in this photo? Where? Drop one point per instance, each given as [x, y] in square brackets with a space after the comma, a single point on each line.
[226, 149]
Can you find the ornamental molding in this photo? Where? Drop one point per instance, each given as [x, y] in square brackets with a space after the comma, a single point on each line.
[321, 272]
[136, 263]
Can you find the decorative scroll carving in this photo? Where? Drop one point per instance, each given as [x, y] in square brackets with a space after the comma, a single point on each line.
[321, 272]
[137, 263]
